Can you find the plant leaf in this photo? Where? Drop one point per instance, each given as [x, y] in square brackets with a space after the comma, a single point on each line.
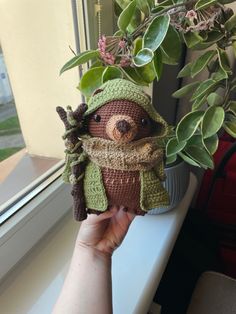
[185, 90]
[211, 144]
[156, 32]
[188, 125]
[204, 88]
[126, 16]
[223, 60]
[200, 155]
[143, 5]
[91, 80]
[230, 125]
[219, 75]
[147, 72]
[192, 39]
[199, 102]
[132, 75]
[143, 57]
[232, 107]
[212, 121]
[202, 62]
[81, 58]
[173, 147]
[203, 4]
[214, 99]
[230, 23]
[157, 63]
[186, 71]
[111, 72]
[171, 46]
[188, 160]
[171, 159]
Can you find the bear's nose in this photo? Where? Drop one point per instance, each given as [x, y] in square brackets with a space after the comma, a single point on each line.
[123, 126]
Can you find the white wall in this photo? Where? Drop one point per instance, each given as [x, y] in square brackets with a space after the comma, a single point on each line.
[35, 38]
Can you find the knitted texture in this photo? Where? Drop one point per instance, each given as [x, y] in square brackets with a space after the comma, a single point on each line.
[121, 108]
[139, 155]
[120, 89]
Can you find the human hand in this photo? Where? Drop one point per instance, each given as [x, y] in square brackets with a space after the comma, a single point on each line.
[105, 232]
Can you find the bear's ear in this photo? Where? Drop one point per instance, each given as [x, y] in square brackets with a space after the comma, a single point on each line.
[97, 91]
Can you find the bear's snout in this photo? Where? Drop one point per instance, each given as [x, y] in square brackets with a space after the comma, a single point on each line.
[121, 128]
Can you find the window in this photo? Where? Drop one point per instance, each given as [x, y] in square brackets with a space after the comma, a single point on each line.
[36, 38]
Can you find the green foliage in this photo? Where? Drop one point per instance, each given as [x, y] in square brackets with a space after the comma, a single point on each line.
[151, 35]
[79, 59]
[156, 32]
[126, 16]
[7, 152]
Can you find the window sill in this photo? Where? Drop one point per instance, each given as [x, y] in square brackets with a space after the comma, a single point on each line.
[35, 283]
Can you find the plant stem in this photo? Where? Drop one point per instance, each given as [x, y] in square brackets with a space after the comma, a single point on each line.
[134, 34]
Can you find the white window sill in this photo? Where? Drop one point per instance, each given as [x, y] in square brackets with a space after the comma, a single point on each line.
[33, 286]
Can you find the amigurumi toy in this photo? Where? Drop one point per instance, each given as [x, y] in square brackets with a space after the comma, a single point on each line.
[112, 152]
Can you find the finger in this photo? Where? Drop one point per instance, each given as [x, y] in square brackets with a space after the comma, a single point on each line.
[93, 218]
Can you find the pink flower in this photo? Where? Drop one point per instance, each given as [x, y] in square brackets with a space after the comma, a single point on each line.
[191, 15]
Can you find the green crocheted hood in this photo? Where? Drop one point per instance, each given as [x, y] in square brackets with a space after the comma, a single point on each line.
[120, 89]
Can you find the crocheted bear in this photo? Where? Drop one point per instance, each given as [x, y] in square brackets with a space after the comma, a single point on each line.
[117, 159]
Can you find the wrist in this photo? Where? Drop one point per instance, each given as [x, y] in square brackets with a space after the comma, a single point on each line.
[92, 252]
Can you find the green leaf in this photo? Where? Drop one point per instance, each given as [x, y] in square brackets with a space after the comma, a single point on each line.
[192, 39]
[200, 155]
[171, 47]
[204, 88]
[143, 5]
[157, 63]
[91, 80]
[126, 16]
[143, 57]
[111, 73]
[195, 140]
[234, 48]
[171, 159]
[173, 147]
[230, 23]
[79, 59]
[219, 75]
[211, 143]
[212, 121]
[232, 107]
[186, 71]
[199, 102]
[147, 72]
[188, 125]
[132, 75]
[188, 160]
[185, 90]
[212, 38]
[156, 32]
[202, 62]
[203, 4]
[137, 45]
[214, 99]
[230, 125]
[223, 60]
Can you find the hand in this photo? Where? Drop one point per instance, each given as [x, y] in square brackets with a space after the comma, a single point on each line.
[105, 232]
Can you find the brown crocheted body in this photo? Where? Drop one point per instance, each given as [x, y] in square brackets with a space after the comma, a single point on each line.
[123, 189]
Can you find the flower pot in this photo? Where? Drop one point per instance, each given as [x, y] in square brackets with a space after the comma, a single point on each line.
[176, 184]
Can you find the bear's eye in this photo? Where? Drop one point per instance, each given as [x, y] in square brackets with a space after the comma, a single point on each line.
[97, 118]
[144, 122]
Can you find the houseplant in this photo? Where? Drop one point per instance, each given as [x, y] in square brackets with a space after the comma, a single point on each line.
[152, 34]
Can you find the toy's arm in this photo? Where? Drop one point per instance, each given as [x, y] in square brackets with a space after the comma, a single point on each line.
[71, 120]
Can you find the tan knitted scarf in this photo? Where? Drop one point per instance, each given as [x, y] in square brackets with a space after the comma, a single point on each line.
[140, 155]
